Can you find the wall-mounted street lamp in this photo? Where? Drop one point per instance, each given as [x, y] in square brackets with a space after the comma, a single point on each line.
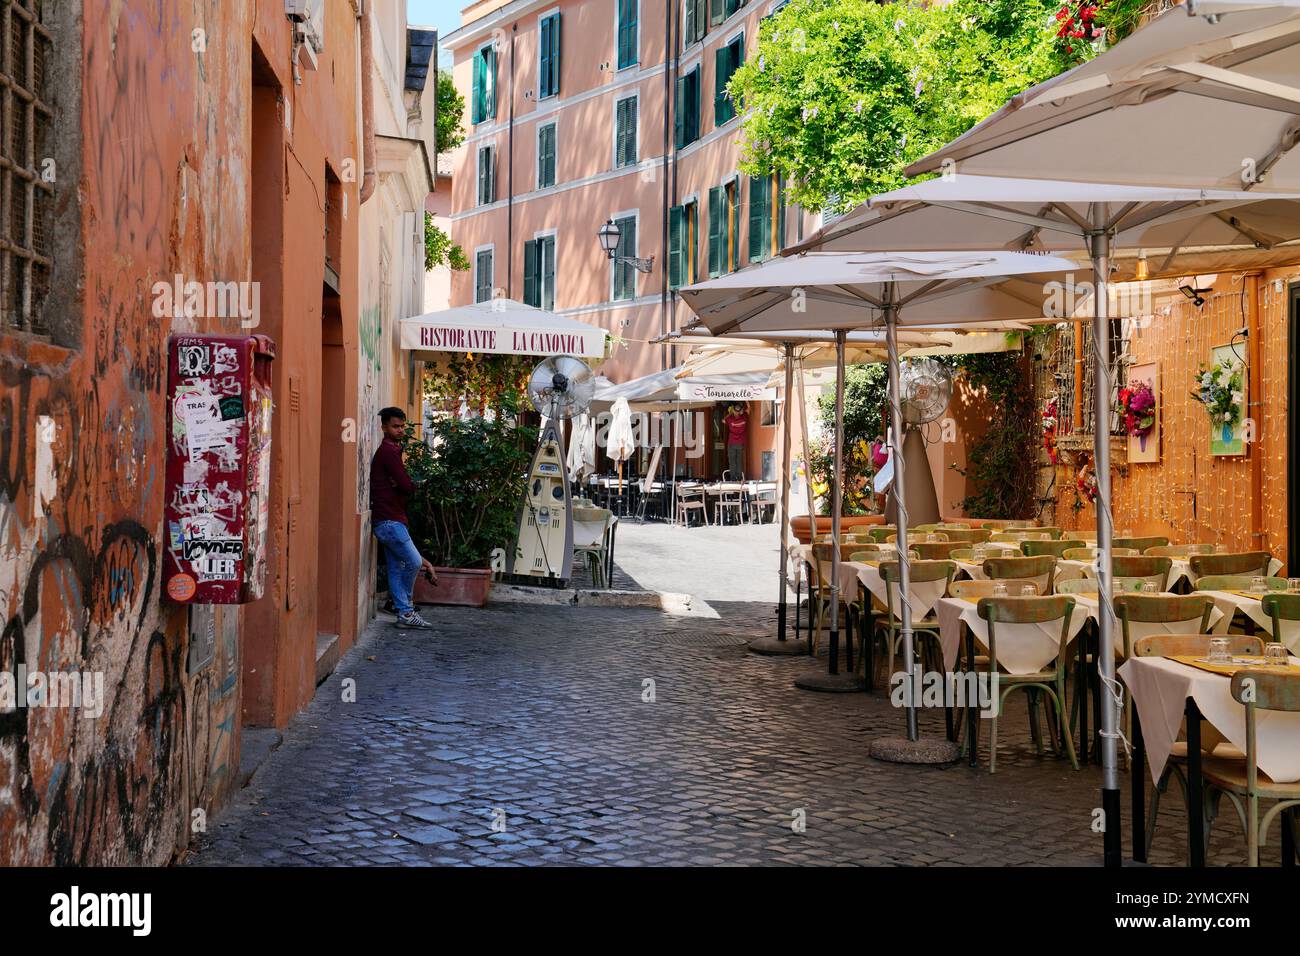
[609, 235]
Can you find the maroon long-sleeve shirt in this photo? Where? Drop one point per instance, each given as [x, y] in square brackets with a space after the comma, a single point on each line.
[389, 483]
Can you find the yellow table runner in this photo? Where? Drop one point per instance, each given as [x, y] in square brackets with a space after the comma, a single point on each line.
[1238, 663]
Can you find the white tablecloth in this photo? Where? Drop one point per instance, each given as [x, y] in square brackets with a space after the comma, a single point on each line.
[1228, 602]
[1160, 688]
[1022, 648]
[924, 594]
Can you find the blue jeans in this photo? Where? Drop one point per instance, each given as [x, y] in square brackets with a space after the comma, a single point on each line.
[403, 562]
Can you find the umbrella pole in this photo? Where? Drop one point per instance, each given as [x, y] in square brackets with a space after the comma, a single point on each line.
[900, 518]
[674, 431]
[912, 748]
[833, 680]
[1111, 693]
[766, 645]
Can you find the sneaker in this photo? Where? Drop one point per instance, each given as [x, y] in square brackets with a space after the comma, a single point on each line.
[390, 607]
[413, 620]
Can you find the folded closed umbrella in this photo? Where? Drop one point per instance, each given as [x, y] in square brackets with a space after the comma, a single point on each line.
[620, 442]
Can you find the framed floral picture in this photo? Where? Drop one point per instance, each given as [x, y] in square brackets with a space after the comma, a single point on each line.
[1221, 388]
[1139, 413]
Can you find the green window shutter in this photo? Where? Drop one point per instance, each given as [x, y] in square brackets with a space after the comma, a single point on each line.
[689, 106]
[549, 78]
[716, 231]
[676, 246]
[780, 215]
[756, 218]
[720, 59]
[482, 175]
[679, 113]
[717, 11]
[628, 42]
[731, 251]
[490, 84]
[547, 248]
[732, 6]
[530, 274]
[476, 96]
[483, 277]
[688, 24]
[492, 174]
[624, 273]
[625, 132]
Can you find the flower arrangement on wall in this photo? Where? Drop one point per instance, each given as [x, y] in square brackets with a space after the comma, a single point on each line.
[1051, 421]
[1085, 486]
[1221, 388]
[1137, 409]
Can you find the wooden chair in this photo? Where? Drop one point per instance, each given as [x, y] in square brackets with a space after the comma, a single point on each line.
[1249, 563]
[1056, 549]
[1040, 570]
[937, 550]
[1187, 645]
[1141, 544]
[965, 552]
[1281, 607]
[1051, 681]
[913, 536]
[1076, 586]
[1256, 689]
[1054, 533]
[820, 591]
[954, 526]
[866, 554]
[1179, 550]
[1155, 570]
[968, 535]
[1090, 553]
[972, 590]
[882, 532]
[1134, 609]
[918, 572]
[923, 528]
[1236, 582]
[691, 501]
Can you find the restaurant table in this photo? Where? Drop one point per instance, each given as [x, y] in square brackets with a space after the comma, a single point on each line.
[1180, 570]
[1229, 602]
[1166, 693]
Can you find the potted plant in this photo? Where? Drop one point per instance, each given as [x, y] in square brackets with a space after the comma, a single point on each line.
[470, 474]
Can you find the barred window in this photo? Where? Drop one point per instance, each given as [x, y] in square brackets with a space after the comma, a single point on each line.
[26, 181]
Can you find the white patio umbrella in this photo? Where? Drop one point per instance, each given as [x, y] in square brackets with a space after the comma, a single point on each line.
[582, 448]
[1224, 94]
[843, 292]
[1209, 8]
[620, 443]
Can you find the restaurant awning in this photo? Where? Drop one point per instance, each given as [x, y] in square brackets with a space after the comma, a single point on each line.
[502, 327]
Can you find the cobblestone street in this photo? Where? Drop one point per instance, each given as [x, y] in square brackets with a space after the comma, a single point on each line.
[532, 717]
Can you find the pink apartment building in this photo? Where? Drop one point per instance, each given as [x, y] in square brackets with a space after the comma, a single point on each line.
[583, 111]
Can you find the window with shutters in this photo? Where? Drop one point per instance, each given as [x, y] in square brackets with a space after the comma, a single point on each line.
[629, 53]
[483, 267]
[484, 95]
[487, 178]
[548, 67]
[686, 121]
[539, 272]
[695, 22]
[546, 156]
[682, 237]
[724, 228]
[27, 192]
[625, 123]
[623, 284]
[727, 60]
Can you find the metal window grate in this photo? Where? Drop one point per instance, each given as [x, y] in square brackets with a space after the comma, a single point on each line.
[25, 190]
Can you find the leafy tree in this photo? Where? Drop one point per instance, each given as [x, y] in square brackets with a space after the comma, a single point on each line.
[841, 95]
[449, 131]
[439, 250]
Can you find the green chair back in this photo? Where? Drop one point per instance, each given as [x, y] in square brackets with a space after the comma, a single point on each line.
[1077, 586]
[1236, 582]
[1040, 568]
[918, 571]
[1160, 609]
[867, 554]
[881, 532]
[1249, 563]
[1141, 566]
[1281, 607]
[972, 590]
[937, 550]
[1141, 544]
[1268, 690]
[1055, 548]
[968, 535]
[1026, 610]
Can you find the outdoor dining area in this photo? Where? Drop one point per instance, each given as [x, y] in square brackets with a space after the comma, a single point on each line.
[1157, 657]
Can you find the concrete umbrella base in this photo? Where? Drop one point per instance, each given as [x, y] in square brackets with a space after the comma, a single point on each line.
[841, 683]
[770, 646]
[933, 750]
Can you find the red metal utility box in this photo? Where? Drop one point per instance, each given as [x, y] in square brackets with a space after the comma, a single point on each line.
[218, 467]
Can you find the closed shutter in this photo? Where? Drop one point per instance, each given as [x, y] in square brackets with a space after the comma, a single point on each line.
[716, 11]
[778, 242]
[624, 273]
[760, 218]
[676, 246]
[688, 23]
[550, 57]
[732, 6]
[717, 231]
[491, 174]
[721, 57]
[732, 251]
[476, 98]
[547, 256]
[627, 33]
[484, 168]
[688, 107]
[531, 296]
[679, 114]
[546, 156]
[625, 132]
[483, 277]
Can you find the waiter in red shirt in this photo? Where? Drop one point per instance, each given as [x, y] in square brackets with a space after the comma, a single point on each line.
[389, 487]
[737, 422]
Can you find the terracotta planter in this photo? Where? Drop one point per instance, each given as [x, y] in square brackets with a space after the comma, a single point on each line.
[800, 525]
[464, 587]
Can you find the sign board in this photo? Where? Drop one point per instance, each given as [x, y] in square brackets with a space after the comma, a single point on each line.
[501, 339]
[691, 392]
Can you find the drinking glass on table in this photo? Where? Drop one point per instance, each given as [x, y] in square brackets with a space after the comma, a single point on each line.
[1219, 651]
[1149, 587]
[1029, 590]
[1257, 585]
[1276, 654]
[999, 589]
[1293, 584]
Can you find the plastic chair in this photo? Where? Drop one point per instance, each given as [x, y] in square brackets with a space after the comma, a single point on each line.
[1051, 681]
[1249, 563]
[1040, 570]
[1255, 688]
